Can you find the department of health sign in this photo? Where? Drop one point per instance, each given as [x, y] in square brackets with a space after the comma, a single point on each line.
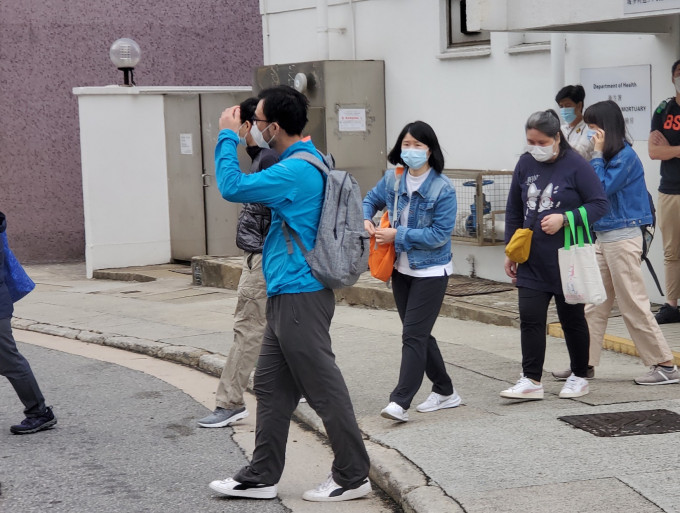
[630, 87]
[634, 6]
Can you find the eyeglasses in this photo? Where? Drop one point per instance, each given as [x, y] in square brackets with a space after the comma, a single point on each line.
[255, 120]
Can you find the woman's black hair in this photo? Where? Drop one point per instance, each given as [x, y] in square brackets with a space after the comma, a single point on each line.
[248, 109]
[548, 123]
[424, 133]
[608, 116]
[575, 93]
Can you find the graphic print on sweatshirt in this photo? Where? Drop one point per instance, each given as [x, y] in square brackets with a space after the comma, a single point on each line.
[543, 199]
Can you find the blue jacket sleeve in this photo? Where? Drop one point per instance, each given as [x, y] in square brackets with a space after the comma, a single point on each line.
[272, 187]
[375, 199]
[614, 176]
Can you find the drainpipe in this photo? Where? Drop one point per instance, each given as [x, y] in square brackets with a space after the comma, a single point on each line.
[354, 34]
[322, 28]
[557, 44]
[266, 50]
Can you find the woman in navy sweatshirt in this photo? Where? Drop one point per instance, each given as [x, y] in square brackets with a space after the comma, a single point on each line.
[549, 180]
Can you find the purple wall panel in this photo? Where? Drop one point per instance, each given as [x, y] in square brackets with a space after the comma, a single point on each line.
[48, 48]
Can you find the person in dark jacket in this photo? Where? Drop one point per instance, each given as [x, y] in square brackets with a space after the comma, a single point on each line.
[550, 179]
[15, 367]
[249, 316]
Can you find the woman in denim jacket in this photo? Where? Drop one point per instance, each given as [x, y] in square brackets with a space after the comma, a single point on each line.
[422, 224]
[619, 246]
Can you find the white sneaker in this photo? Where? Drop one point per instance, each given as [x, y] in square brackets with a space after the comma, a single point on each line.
[574, 387]
[395, 412]
[524, 389]
[233, 488]
[330, 491]
[437, 401]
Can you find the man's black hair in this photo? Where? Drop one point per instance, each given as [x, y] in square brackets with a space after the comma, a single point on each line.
[285, 106]
[248, 109]
[575, 93]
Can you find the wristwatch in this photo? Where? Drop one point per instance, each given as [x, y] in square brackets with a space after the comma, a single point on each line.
[565, 220]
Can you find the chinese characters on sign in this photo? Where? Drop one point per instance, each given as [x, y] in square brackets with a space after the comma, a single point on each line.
[629, 87]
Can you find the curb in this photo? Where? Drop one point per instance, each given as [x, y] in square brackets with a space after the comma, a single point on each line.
[392, 472]
[611, 342]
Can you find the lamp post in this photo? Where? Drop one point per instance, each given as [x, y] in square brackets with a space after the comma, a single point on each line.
[125, 54]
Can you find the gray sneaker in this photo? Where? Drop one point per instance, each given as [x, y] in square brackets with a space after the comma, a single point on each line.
[563, 375]
[222, 417]
[657, 375]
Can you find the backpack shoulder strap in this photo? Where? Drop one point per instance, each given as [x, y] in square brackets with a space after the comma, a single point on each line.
[322, 166]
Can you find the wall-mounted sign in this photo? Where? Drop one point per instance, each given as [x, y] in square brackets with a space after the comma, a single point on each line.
[633, 6]
[630, 87]
[352, 120]
[186, 146]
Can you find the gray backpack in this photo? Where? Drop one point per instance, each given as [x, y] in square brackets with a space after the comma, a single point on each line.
[340, 253]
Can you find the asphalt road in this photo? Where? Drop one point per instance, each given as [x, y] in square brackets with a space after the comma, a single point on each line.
[124, 442]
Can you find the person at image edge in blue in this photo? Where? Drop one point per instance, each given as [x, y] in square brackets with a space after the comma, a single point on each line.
[550, 179]
[424, 219]
[15, 367]
[296, 357]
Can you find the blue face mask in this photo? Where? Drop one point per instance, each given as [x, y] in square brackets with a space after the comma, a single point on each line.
[241, 138]
[568, 114]
[414, 159]
[590, 133]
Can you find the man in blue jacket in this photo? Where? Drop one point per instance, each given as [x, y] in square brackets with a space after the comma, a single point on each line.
[15, 367]
[296, 357]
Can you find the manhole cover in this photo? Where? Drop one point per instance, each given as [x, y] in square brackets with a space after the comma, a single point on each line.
[464, 286]
[644, 422]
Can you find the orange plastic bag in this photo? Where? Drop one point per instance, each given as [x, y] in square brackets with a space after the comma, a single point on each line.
[381, 257]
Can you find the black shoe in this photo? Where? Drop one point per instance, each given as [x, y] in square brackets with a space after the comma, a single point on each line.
[667, 314]
[34, 424]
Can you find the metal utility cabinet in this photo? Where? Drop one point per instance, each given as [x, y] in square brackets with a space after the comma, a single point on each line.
[149, 191]
[347, 110]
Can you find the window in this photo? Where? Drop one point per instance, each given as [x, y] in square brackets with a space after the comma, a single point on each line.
[460, 29]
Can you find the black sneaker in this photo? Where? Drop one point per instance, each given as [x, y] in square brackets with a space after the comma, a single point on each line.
[34, 424]
[667, 314]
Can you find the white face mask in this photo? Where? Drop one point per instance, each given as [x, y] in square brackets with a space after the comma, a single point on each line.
[676, 82]
[258, 137]
[542, 153]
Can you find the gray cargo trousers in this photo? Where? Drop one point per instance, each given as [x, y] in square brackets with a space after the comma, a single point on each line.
[296, 358]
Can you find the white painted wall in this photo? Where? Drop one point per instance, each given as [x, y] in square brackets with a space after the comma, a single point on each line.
[477, 105]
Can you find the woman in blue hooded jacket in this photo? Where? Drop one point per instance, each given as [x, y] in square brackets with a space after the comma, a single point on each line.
[15, 367]
[421, 231]
[619, 247]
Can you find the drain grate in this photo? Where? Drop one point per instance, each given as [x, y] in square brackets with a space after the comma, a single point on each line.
[628, 423]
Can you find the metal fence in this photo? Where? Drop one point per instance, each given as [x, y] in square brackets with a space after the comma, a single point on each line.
[481, 196]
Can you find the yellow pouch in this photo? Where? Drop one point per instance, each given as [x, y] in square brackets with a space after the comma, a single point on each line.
[518, 248]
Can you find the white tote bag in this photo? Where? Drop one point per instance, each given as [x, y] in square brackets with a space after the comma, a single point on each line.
[579, 271]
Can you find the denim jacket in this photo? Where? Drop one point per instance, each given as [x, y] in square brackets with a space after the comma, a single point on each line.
[432, 216]
[623, 179]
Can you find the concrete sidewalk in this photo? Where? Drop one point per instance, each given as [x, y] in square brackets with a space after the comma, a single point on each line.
[488, 455]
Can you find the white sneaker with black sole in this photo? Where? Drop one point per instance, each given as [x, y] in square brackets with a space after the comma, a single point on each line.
[233, 488]
[437, 401]
[330, 491]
